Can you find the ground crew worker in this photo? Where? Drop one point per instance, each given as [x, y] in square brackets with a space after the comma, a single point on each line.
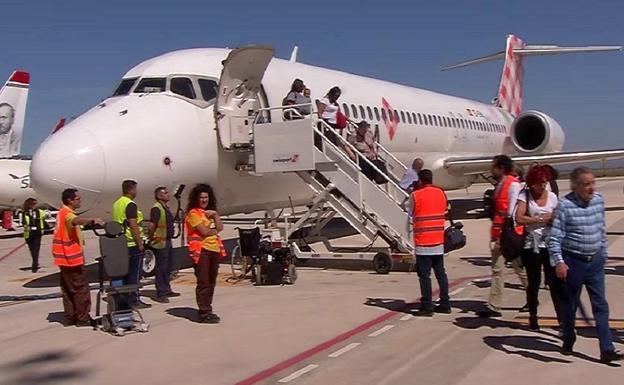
[505, 198]
[68, 256]
[429, 207]
[34, 224]
[161, 233]
[203, 225]
[126, 213]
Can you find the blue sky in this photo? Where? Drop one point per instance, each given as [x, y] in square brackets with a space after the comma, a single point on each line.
[77, 51]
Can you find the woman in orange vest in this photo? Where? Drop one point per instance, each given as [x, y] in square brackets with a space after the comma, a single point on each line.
[69, 257]
[202, 224]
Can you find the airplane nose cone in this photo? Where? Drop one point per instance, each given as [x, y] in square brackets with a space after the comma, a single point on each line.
[70, 158]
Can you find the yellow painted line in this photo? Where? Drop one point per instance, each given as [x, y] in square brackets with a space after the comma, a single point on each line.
[580, 323]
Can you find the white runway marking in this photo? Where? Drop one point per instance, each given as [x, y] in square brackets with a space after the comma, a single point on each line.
[298, 373]
[407, 317]
[342, 351]
[457, 291]
[380, 331]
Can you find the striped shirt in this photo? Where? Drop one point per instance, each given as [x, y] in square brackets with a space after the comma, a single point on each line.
[578, 228]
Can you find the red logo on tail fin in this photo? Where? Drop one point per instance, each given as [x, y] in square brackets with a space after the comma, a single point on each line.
[390, 119]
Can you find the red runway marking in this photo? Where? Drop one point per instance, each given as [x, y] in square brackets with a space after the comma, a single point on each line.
[12, 251]
[336, 340]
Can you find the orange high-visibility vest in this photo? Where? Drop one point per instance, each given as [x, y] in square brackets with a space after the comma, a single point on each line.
[428, 216]
[193, 237]
[501, 207]
[66, 247]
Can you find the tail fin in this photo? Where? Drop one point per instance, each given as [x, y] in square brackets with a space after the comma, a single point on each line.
[510, 89]
[13, 97]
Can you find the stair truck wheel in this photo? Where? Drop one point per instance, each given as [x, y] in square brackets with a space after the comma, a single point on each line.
[382, 263]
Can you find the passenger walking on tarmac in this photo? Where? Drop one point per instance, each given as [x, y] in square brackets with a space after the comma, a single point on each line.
[364, 142]
[295, 97]
[410, 178]
[329, 111]
[429, 206]
[505, 198]
[69, 257]
[578, 252]
[161, 234]
[536, 206]
[126, 213]
[203, 225]
[34, 225]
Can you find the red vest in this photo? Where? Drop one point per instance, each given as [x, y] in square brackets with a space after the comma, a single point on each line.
[501, 207]
[66, 247]
[428, 216]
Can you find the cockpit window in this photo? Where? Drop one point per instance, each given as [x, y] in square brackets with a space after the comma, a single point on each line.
[151, 85]
[125, 86]
[208, 89]
[182, 86]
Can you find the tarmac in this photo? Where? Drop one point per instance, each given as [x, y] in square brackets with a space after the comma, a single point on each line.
[333, 326]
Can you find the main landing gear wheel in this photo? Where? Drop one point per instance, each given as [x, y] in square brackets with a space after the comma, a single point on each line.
[148, 268]
[382, 263]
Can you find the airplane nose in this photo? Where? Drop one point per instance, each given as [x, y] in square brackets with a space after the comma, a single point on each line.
[70, 158]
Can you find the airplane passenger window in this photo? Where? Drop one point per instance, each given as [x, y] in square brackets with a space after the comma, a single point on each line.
[391, 115]
[396, 116]
[182, 86]
[383, 114]
[124, 87]
[208, 89]
[354, 111]
[430, 120]
[403, 116]
[409, 118]
[151, 85]
[370, 113]
[420, 119]
[377, 113]
[345, 108]
[362, 113]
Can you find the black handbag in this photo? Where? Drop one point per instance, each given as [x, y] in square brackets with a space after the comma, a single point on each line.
[512, 243]
[454, 237]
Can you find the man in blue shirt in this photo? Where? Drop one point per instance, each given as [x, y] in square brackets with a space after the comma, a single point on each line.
[578, 252]
[411, 175]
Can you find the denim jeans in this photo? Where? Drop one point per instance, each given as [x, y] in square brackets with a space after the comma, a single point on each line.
[163, 269]
[424, 263]
[591, 274]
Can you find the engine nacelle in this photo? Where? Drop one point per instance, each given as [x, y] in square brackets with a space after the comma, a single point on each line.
[535, 132]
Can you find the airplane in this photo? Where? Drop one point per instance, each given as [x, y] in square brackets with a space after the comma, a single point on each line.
[172, 120]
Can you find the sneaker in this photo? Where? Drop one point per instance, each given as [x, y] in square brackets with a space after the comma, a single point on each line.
[172, 294]
[489, 313]
[442, 309]
[210, 319]
[611, 355]
[141, 305]
[424, 313]
[161, 299]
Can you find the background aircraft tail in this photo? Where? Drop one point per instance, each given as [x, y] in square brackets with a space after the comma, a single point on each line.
[510, 89]
[13, 97]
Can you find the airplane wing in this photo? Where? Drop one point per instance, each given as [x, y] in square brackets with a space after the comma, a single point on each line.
[481, 164]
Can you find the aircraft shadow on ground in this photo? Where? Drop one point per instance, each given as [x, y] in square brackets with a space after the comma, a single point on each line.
[35, 369]
[185, 312]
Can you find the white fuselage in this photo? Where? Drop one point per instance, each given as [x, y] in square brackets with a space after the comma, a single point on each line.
[162, 138]
[15, 183]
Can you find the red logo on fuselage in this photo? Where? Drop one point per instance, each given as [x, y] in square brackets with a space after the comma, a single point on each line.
[390, 118]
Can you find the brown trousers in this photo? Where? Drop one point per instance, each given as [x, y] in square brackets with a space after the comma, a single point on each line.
[76, 296]
[206, 271]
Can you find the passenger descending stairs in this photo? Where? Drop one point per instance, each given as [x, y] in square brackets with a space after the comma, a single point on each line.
[341, 188]
[370, 208]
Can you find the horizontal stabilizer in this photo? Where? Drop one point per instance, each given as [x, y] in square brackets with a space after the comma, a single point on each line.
[480, 165]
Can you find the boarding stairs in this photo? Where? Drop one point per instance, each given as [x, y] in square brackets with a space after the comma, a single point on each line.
[338, 184]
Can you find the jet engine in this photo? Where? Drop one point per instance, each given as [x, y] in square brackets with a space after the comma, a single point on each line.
[535, 132]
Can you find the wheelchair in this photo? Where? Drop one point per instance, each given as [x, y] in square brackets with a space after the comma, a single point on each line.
[120, 317]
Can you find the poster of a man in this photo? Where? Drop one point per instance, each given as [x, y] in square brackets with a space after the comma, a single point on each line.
[9, 139]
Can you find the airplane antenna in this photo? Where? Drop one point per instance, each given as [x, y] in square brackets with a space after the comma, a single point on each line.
[293, 55]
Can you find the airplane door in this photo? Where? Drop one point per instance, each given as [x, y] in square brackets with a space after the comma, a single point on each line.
[240, 93]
